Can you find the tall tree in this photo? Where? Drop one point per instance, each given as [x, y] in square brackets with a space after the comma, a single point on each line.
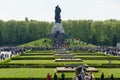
[0, 39]
[94, 39]
[114, 41]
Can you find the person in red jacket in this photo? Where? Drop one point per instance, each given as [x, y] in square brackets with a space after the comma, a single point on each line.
[49, 76]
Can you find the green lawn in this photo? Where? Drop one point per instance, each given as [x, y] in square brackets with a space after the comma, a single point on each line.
[37, 43]
[101, 61]
[53, 62]
[25, 72]
[36, 56]
[108, 71]
[41, 42]
[42, 72]
[81, 57]
[49, 56]
[47, 62]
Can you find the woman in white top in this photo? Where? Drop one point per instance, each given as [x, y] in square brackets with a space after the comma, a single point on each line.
[86, 77]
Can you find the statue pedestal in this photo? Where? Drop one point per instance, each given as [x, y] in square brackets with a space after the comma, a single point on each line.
[57, 27]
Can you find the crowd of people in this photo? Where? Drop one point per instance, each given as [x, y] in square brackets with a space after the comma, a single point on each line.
[49, 76]
[81, 76]
[106, 50]
[90, 76]
[112, 50]
[7, 52]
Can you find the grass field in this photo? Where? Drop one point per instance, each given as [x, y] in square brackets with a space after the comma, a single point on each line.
[42, 72]
[37, 56]
[46, 58]
[53, 62]
[41, 42]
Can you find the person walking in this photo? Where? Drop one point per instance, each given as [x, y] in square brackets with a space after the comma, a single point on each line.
[63, 76]
[55, 76]
[102, 76]
[86, 77]
[80, 77]
[111, 77]
[49, 76]
[91, 76]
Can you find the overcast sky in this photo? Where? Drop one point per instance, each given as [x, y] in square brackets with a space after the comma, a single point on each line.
[43, 10]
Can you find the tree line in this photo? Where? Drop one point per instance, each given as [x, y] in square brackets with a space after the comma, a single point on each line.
[96, 32]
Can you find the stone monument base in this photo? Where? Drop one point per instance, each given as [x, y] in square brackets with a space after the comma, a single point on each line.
[57, 27]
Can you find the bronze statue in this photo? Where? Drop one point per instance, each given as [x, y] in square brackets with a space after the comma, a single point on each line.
[57, 14]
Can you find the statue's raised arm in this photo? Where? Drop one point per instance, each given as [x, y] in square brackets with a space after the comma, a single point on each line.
[57, 14]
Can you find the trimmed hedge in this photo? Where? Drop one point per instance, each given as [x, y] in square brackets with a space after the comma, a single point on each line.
[54, 65]
[105, 65]
[9, 59]
[87, 54]
[110, 66]
[40, 51]
[52, 58]
[5, 61]
[30, 65]
[30, 54]
[98, 58]
[33, 58]
[79, 51]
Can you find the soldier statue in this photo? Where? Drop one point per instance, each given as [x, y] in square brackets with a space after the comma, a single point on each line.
[57, 14]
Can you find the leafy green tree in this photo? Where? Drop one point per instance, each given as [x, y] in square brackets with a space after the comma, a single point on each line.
[21, 32]
[0, 39]
[96, 32]
[114, 41]
[94, 39]
[1, 23]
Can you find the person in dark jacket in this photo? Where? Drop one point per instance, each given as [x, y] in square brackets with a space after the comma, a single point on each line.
[102, 76]
[55, 76]
[63, 76]
[111, 77]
